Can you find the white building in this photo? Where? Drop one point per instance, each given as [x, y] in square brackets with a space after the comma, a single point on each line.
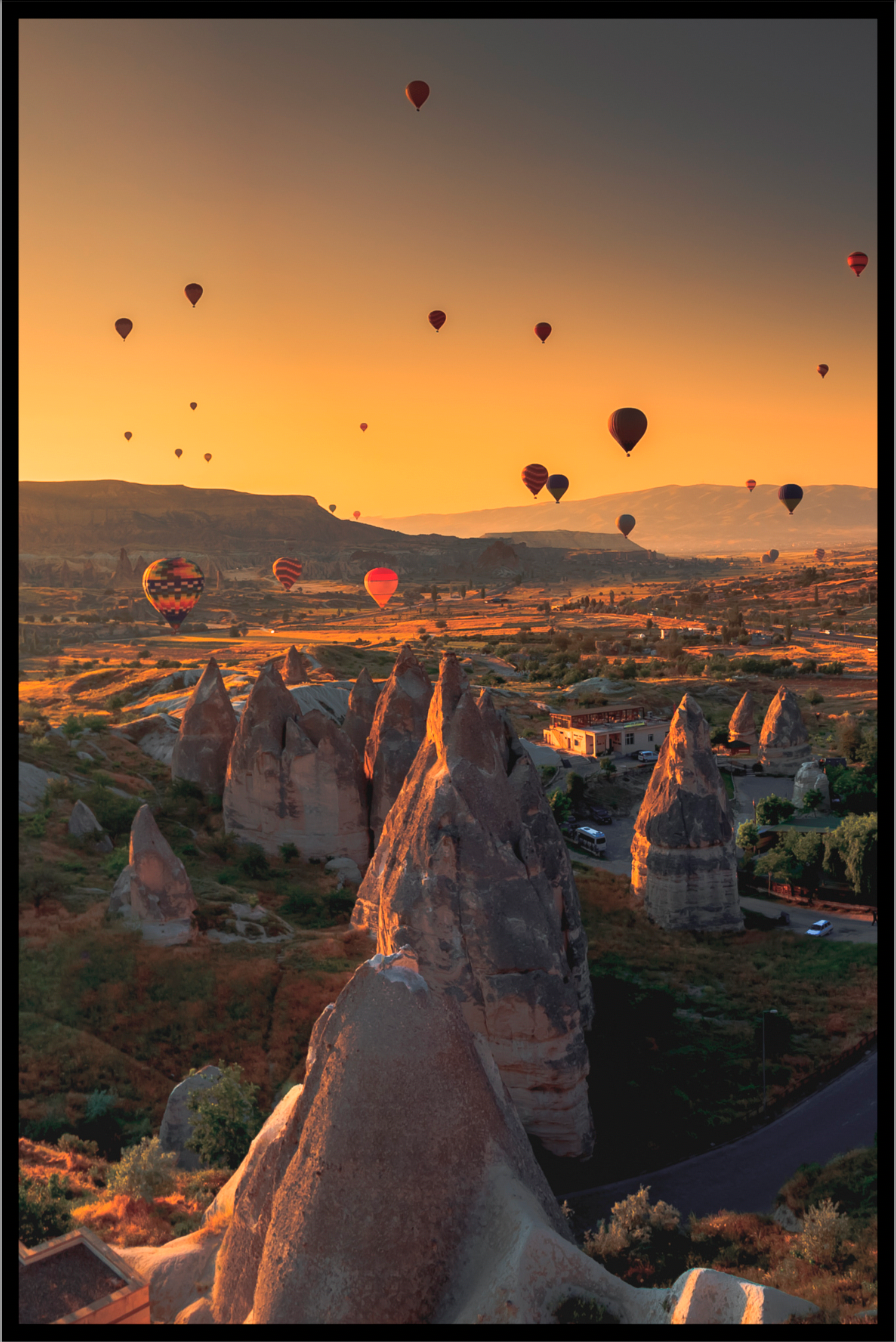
[604, 731]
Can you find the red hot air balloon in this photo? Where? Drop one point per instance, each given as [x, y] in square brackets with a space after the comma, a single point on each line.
[124, 326]
[822, 369]
[381, 583]
[628, 427]
[437, 319]
[557, 486]
[766, 559]
[751, 485]
[332, 507]
[790, 496]
[857, 261]
[819, 554]
[194, 293]
[192, 405]
[208, 456]
[417, 92]
[535, 478]
[356, 515]
[128, 436]
[363, 428]
[173, 586]
[625, 523]
[178, 452]
[287, 572]
[543, 330]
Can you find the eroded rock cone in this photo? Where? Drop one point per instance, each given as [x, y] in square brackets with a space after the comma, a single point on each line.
[398, 728]
[154, 884]
[472, 873]
[811, 777]
[784, 741]
[742, 726]
[65, 575]
[296, 668]
[139, 567]
[206, 733]
[361, 707]
[124, 573]
[684, 863]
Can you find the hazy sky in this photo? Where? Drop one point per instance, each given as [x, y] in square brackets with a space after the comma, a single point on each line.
[676, 197]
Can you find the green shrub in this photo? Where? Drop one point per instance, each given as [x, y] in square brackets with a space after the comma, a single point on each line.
[632, 1222]
[824, 1231]
[831, 669]
[114, 813]
[288, 851]
[115, 862]
[70, 1143]
[35, 826]
[144, 1171]
[226, 1118]
[43, 1209]
[40, 882]
[253, 863]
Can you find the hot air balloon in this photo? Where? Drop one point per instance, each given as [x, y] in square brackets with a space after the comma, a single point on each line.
[437, 319]
[857, 261]
[173, 586]
[363, 428]
[766, 559]
[124, 326]
[287, 572]
[625, 523]
[128, 436]
[332, 507]
[751, 485]
[535, 478]
[543, 330]
[790, 496]
[178, 452]
[194, 293]
[356, 515]
[208, 456]
[628, 427]
[417, 92]
[819, 554]
[557, 486]
[822, 369]
[381, 583]
[192, 405]
[773, 555]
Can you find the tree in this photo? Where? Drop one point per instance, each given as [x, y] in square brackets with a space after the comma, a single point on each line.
[226, 1118]
[607, 767]
[748, 836]
[561, 806]
[808, 851]
[779, 864]
[812, 800]
[852, 849]
[774, 810]
[850, 737]
[718, 736]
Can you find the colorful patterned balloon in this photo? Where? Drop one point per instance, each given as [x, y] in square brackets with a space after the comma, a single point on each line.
[857, 261]
[173, 586]
[381, 583]
[535, 478]
[287, 572]
[751, 485]
[819, 553]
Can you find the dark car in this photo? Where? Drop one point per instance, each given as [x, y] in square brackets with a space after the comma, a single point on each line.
[601, 815]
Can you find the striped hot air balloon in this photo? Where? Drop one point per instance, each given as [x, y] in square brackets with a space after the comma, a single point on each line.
[173, 586]
[819, 553]
[287, 572]
[822, 369]
[857, 261]
[437, 319]
[535, 478]
[381, 583]
[751, 485]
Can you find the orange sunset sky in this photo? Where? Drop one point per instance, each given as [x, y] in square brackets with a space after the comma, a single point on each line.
[676, 197]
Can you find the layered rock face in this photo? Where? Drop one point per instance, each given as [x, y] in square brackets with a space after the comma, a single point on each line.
[154, 887]
[742, 726]
[472, 873]
[784, 741]
[206, 733]
[684, 864]
[361, 709]
[809, 777]
[294, 777]
[399, 726]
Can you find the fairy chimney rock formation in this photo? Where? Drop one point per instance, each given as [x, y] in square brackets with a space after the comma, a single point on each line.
[684, 864]
[399, 726]
[154, 887]
[811, 777]
[140, 567]
[361, 708]
[296, 668]
[472, 873]
[294, 778]
[206, 733]
[784, 741]
[742, 726]
[124, 574]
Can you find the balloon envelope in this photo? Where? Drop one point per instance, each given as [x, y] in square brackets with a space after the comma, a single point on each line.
[557, 486]
[773, 555]
[332, 507]
[823, 368]
[417, 92]
[208, 456]
[124, 326]
[178, 451]
[751, 485]
[363, 428]
[819, 554]
[128, 436]
[535, 478]
[437, 319]
[287, 572]
[356, 515]
[192, 405]
[790, 496]
[626, 523]
[194, 293]
[628, 427]
[766, 559]
[173, 586]
[543, 330]
[381, 583]
[857, 261]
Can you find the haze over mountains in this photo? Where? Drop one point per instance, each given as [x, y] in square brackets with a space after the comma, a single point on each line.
[679, 519]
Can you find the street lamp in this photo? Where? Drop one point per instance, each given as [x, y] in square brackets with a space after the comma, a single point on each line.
[772, 1011]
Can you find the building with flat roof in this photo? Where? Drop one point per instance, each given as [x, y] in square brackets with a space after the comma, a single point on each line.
[603, 731]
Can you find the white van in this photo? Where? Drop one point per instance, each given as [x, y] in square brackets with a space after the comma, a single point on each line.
[590, 839]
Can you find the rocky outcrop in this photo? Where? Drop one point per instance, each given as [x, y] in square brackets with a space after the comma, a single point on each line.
[742, 726]
[140, 567]
[294, 777]
[124, 574]
[472, 873]
[296, 667]
[206, 733]
[155, 735]
[499, 555]
[83, 824]
[784, 741]
[178, 1119]
[684, 864]
[33, 784]
[398, 728]
[154, 889]
[810, 777]
[361, 708]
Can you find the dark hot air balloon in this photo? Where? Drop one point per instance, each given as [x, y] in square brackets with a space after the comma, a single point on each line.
[557, 486]
[857, 261]
[535, 478]
[766, 559]
[819, 554]
[194, 293]
[751, 485]
[381, 583]
[192, 405]
[124, 326]
[417, 92]
[437, 319]
[173, 586]
[628, 427]
[287, 572]
[178, 452]
[790, 496]
[543, 330]
[356, 515]
[128, 436]
[208, 456]
[773, 555]
[363, 428]
[332, 507]
[822, 369]
[625, 523]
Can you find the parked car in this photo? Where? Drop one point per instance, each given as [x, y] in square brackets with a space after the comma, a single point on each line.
[647, 756]
[592, 840]
[601, 815]
[820, 929]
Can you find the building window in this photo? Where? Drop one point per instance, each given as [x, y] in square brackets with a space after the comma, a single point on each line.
[650, 736]
[629, 738]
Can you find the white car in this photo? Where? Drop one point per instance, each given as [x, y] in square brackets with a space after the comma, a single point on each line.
[820, 929]
[593, 840]
[647, 756]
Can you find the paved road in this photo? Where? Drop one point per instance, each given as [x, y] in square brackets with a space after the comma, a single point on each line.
[745, 1176]
[853, 929]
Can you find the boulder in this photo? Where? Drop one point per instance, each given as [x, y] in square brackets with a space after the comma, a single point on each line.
[155, 735]
[272, 1129]
[206, 734]
[684, 862]
[154, 888]
[361, 708]
[296, 667]
[398, 728]
[180, 1274]
[810, 776]
[784, 741]
[472, 873]
[33, 784]
[178, 1119]
[742, 725]
[82, 823]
